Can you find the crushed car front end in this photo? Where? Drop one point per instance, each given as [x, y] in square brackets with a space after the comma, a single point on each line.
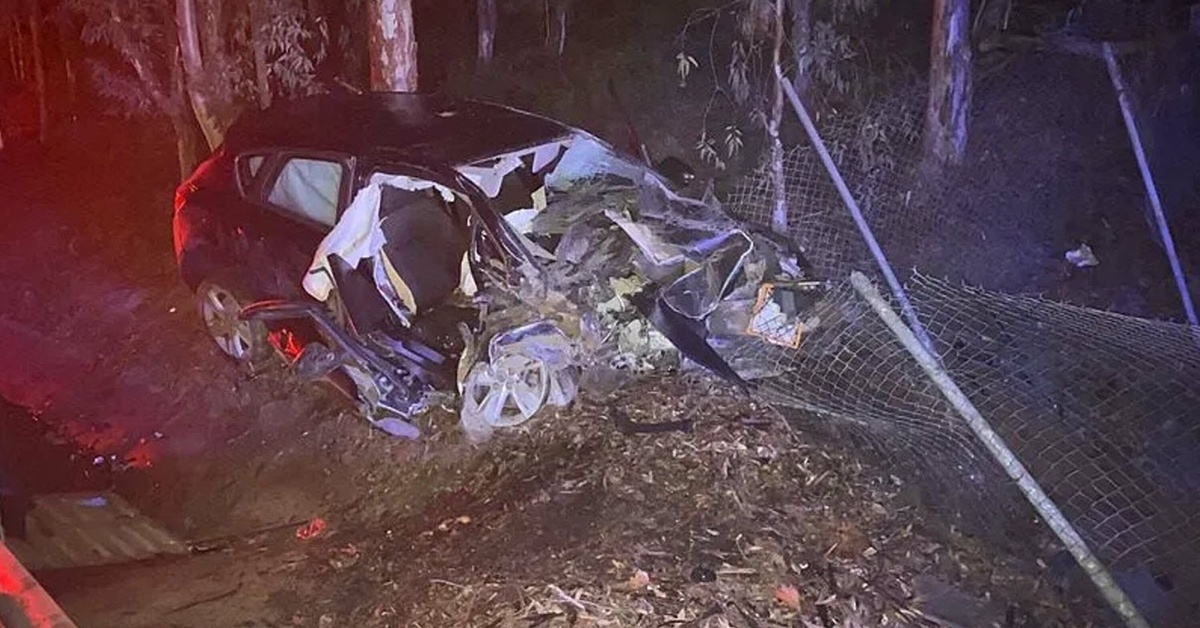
[582, 268]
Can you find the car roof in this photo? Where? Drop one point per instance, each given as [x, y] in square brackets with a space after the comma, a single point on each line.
[425, 130]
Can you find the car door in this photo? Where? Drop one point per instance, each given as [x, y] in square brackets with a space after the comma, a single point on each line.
[297, 200]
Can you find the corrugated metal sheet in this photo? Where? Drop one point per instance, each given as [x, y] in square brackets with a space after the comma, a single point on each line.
[87, 529]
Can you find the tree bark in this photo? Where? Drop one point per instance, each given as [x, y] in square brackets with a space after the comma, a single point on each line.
[211, 25]
[801, 38]
[949, 107]
[22, 73]
[12, 54]
[488, 18]
[258, 43]
[556, 26]
[393, 43]
[69, 49]
[189, 139]
[39, 67]
[188, 143]
[193, 67]
[779, 208]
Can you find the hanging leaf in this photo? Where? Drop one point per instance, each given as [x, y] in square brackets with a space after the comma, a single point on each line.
[684, 64]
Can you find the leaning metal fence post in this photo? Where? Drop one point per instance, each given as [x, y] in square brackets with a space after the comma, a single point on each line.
[999, 449]
[855, 212]
[1139, 151]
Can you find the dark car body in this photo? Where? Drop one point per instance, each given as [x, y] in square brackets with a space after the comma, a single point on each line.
[222, 217]
[368, 202]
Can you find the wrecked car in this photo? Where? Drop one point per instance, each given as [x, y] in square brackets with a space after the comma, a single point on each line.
[407, 248]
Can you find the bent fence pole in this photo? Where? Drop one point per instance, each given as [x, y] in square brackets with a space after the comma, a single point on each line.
[852, 205]
[1135, 138]
[995, 444]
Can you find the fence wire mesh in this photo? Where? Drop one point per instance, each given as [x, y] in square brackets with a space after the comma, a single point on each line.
[878, 152]
[1100, 407]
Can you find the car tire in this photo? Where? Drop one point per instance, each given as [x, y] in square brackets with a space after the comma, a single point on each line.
[244, 342]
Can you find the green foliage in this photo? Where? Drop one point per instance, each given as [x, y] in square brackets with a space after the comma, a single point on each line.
[144, 32]
[684, 64]
[295, 45]
[136, 29]
[828, 59]
[125, 94]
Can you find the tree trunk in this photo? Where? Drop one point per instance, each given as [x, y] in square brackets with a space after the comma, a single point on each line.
[779, 208]
[12, 55]
[487, 17]
[556, 26]
[188, 142]
[68, 48]
[801, 38]
[210, 21]
[39, 67]
[393, 46]
[193, 67]
[258, 43]
[22, 73]
[949, 83]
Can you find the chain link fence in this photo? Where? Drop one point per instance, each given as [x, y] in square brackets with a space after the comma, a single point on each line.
[878, 152]
[1100, 407]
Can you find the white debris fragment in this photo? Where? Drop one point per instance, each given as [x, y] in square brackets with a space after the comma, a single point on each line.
[1082, 257]
[397, 427]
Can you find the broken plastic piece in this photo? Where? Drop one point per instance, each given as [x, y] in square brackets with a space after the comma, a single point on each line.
[1082, 257]
[398, 427]
[312, 529]
[774, 318]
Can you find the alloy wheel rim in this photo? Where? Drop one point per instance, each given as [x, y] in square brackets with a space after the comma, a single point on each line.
[222, 315]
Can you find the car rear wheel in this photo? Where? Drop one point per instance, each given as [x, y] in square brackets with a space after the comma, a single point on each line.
[243, 341]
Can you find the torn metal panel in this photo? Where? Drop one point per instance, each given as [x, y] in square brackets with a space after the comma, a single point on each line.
[588, 157]
[698, 292]
[357, 234]
[489, 175]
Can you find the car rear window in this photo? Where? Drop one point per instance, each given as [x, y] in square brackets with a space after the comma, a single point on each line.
[308, 188]
[253, 163]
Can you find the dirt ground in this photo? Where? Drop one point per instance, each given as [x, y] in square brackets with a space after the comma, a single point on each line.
[739, 522]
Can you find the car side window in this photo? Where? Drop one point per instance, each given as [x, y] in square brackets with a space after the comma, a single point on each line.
[248, 169]
[308, 188]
